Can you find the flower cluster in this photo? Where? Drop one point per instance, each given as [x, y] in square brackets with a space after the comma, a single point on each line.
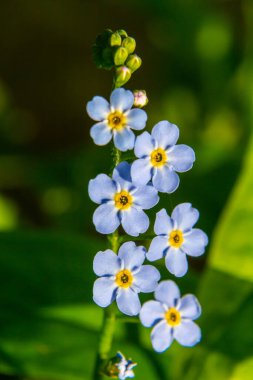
[122, 197]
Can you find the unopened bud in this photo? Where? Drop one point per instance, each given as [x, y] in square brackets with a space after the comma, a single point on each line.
[123, 74]
[122, 32]
[140, 98]
[130, 44]
[133, 62]
[120, 56]
[115, 39]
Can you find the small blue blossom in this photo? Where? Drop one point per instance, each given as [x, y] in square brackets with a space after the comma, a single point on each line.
[125, 367]
[116, 119]
[121, 202]
[160, 159]
[176, 238]
[122, 277]
[171, 317]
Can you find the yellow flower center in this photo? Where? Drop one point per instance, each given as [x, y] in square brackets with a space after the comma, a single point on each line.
[116, 120]
[124, 278]
[158, 157]
[176, 238]
[123, 200]
[173, 317]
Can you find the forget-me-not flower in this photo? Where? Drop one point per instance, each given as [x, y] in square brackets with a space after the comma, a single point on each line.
[122, 277]
[177, 238]
[125, 367]
[116, 119]
[171, 317]
[159, 158]
[121, 202]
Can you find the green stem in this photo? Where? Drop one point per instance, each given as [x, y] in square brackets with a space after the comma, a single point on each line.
[108, 327]
[124, 238]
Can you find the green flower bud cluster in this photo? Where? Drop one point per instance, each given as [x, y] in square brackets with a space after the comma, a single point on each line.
[116, 49]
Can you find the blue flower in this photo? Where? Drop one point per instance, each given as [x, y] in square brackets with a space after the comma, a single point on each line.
[176, 238]
[160, 159]
[116, 119]
[122, 277]
[121, 202]
[171, 317]
[125, 367]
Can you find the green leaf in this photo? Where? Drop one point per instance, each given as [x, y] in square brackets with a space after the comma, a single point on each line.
[49, 324]
[226, 291]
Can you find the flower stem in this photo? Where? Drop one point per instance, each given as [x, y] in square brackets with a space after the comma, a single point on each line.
[108, 327]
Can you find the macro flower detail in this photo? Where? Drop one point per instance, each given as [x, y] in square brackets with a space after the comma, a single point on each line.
[116, 119]
[159, 158]
[121, 202]
[177, 238]
[122, 277]
[125, 367]
[171, 317]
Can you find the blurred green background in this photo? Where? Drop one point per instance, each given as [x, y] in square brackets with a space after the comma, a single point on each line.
[198, 73]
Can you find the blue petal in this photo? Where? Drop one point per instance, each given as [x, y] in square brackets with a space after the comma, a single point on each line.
[187, 333]
[101, 133]
[176, 262]
[151, 313]
[106, 219]
[101, 189]
[124, 139]
[161, 336]
[185, 216]
[98, 108]
[146, 197]
[144, 145]
[104, 291]
[106, 263]
[135, 221]
[157, 248]
[141, 171]
[189, 307]
[181, 157]
[168, 293]
[165, 133]
[122, 174]
[195, 242]
[163, 223]
[146, 279]
[132, 256]
[128, 301]
[136, 119]
[121, 99]
[165, 180]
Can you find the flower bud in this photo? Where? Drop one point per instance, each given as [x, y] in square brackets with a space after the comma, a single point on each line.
[115, 39]
[120, 56]
[133, 62]
[123, 74]
[122, 32]
[140, 98]
[119, 367]
[130, 44]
